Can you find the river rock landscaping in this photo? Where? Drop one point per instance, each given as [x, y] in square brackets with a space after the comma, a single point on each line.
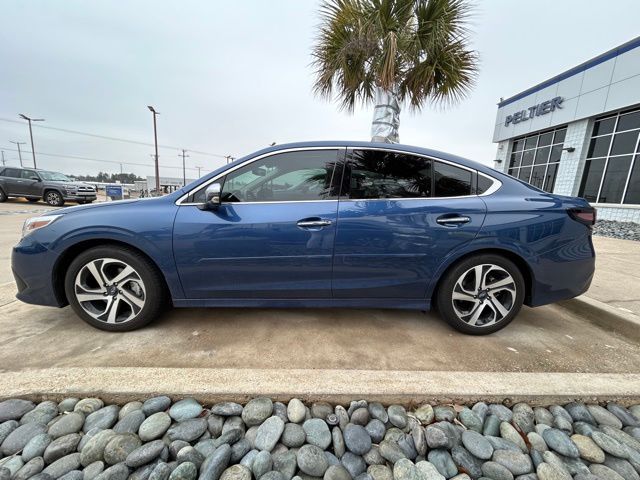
[159, 439]
[622, 230]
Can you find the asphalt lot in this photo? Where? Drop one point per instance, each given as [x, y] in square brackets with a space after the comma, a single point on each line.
[547, 339]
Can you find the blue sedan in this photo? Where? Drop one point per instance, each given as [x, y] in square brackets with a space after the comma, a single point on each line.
[324, 224]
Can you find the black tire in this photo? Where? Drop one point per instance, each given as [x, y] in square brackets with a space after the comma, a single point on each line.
[54, 198]
[3, 196]
[155, 298]
[445, 301]
[32, 199]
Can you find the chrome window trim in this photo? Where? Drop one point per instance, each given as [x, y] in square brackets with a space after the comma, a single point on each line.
[492, 189]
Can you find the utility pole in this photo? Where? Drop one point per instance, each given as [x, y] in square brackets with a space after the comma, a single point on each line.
[3, 162]
[19, 152]
[230, 158]
[184, 170]
[155, 138]
[198, 171]
[33, 149]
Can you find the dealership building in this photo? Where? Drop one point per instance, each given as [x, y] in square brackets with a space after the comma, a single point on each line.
[578, 133]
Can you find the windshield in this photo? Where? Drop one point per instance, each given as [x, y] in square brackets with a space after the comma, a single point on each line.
[54, 176]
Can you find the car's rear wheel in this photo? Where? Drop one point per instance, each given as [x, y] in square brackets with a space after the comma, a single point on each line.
[54, 198]
[3, 196]
[481, 294]
[114, 288]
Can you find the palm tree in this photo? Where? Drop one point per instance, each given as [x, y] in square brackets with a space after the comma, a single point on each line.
[391, 52]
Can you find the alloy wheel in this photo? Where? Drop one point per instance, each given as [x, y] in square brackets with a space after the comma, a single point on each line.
[110, 290]
[484, 295]
[53, 198]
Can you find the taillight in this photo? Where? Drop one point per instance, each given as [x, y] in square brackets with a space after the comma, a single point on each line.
[585, 215]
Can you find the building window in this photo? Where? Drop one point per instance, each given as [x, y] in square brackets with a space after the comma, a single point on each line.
[612, 170]
[535, 158]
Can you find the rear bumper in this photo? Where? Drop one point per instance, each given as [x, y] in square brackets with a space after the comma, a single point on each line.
[563, 273]
[32, 264]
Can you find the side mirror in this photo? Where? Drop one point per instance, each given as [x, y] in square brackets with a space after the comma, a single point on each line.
[212, 197]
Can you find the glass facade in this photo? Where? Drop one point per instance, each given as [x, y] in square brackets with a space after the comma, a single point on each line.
[535, 158]
[612, 170]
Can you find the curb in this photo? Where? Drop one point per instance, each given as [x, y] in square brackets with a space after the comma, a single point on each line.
[207, 385]
[605, 316]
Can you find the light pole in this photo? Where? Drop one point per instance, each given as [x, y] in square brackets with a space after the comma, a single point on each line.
[19, 152]
[184, 170]
[155, 138]
[3, 162]
[33, 150]
[198, 171]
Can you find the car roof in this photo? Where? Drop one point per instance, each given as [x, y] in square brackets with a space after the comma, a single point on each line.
[391, 146]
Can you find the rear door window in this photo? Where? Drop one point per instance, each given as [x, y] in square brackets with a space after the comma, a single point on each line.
[11, 172]
[451, 181]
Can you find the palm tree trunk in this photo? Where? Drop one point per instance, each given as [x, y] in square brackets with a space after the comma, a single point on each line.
[386, 116]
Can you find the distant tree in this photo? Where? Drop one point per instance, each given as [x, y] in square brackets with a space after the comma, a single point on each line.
[390, 52]
[104, 177]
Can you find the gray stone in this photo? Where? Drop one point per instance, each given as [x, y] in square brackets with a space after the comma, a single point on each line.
[280, 410]
[103, 418]
[478, 445]
[311, 460]
[622, 437]
[609, 445]
[337, 472]
[444, 413]
[373, 456]
[130, 423]
[537, 442]
[625, 416]
[321, 410]
[293, 435]
[405, 442]
[273, 475]
[187, 430]
[376, 430]
[68, 404]
[491, 426]
[36, 446]
[516, 462]
[543, 416]
[354, 464]
[119, 447]
[466, 461]
[357, 439]
[257, 410]
[419, 439]
[604, 473]
[404, 469]
[88, 436]
[14, 409]
[94, 449]
[397, 416]
[441, 459]
[269, 433]
[116, 472]
[155, 405]
[500, 411]
[88, 405]
[190, 454]
[129, 407]
[43, 413]
[68, 423]
[29, 469]
[546, 471]
[235, 423]
[262, 463]
[6, 428]
[588, 449]
[360, 416]
[604, 416]
[63, 465]
[73, 475]
[523, 417]
[621, 467]
[428, 471]
[560, 442]
[145, 471]
[248, 459]
[424, 414]
[286, 463]
[508, 432]
[215, 424]
[92, 470]
[470, 419]
[436, 437]
[155, 426]
[216, 463]
[296, 411]
[240, 449]
[499, 443]
[317, 432]
[496, 471]
[337, 439]
[390, 451]
[380, 472]
[13, 464]
[40, 476]
[185, 409]
[227, 409]
[18, 438]
[377, 411]
[580, 413]
[236, 472]
[61, 446]
[144, 454]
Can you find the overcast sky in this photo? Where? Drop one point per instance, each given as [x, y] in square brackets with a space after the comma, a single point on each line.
[230, 77]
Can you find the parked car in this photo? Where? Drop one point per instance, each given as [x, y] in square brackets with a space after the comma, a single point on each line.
[326, 224]
[52, 187]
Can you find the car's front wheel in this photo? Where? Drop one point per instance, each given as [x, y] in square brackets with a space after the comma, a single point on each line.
[481, 294]
[114, 288]
[54, 198]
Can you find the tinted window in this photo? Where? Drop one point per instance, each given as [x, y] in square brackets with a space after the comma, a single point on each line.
[542, 155]
[451, 181]
[602, 127]
[291, 176]
[381, 174]
[614, 179]
[591, 179]
[28, 174]
[624, 143]
[599, 147]
[483, 184]
[633, 190]
[628, 121]
[11, 172]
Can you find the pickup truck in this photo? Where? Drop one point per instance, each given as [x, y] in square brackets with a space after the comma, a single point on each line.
[52, 187]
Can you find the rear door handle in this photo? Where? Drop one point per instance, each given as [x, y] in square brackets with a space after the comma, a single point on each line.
[457, 220]
[314, 223]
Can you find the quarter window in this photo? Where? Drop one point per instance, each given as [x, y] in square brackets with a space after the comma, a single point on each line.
[451, 181]
[611, 171]
[535, 158]
[283, 177]
[11, 172]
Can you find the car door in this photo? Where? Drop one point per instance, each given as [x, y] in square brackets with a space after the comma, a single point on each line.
[12, 181]
[399, 216]
[273, 234]
[30, 183]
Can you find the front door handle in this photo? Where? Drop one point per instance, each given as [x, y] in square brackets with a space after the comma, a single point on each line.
[314, 223]
[455, 220]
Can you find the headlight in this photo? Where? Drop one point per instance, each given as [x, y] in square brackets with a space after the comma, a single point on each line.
[35, 223]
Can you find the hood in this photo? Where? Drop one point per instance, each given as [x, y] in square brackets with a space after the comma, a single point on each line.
[68, 184]
[78, 208]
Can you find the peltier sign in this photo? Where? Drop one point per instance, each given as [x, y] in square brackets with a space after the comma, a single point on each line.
[534, 111]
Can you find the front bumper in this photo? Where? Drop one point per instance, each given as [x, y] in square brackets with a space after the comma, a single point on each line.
[79, 198]
[32, 265]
